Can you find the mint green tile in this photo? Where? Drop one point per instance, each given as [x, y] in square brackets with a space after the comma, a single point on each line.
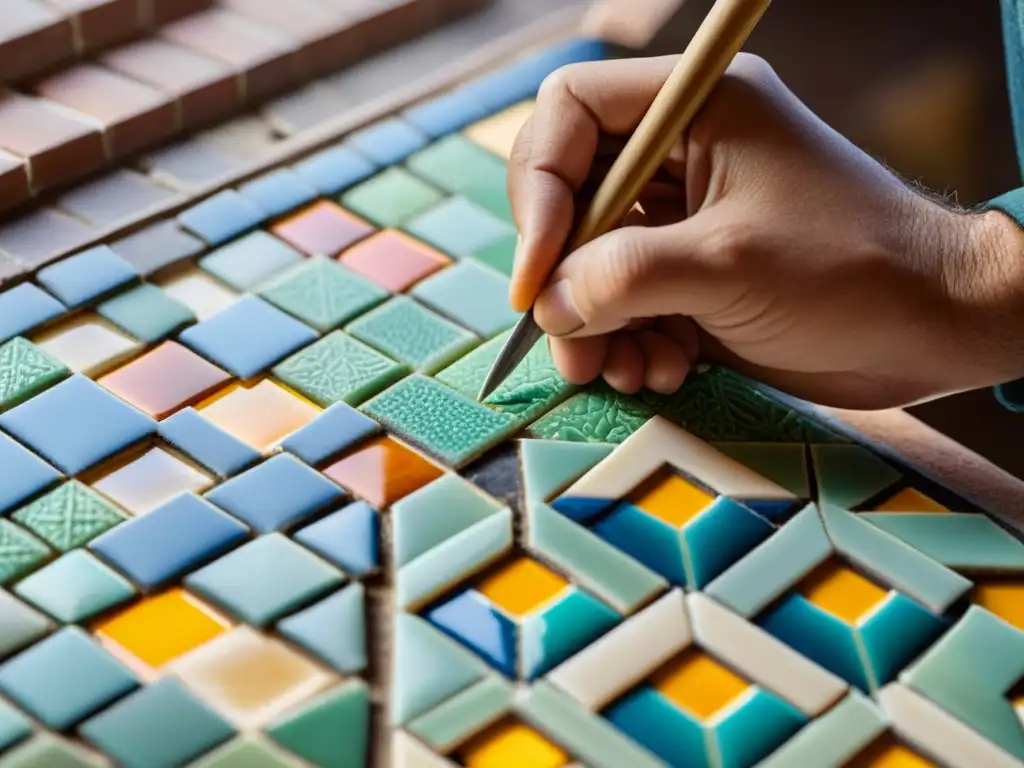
[550, 466]
[849, 475]
[472, 295]
[147, 313]
[25, 370]
[499, 255]
[330, 731]
[247, 753]
[339, 369]
[323, 293]
[783, 463]
[412, 334]
[460, 166]
[14, 725]
[20, 551]
[46, 751]
[442, 422]
[446, 726]
[75, 587]
[70, 516]
[20, 625]
[459, 227]
[391, 198]
[251, 260]
[962, 542]
[333, 629]
[598, 415]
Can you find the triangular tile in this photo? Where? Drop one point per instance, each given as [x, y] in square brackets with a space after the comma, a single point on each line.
[334, 629]
[331, 731]
[785, 463]
[849, 475]
[550, 465]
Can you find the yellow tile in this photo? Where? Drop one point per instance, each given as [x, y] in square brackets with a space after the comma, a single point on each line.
[1004, 598]
[511, 745]
[699, 684]
[151, 480]
[672, 499]
[498, 133]
[886, 752]
[163, 627]
[87, 344]
[840, 590]
[261, 414]
[910, 500]
[521, 586]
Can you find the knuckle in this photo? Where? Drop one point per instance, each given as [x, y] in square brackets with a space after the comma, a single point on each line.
[622, 271]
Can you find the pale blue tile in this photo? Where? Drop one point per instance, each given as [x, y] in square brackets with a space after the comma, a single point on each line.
[334, 169]
[251, 260]
[334, 629]
[75, 587]
[472, 295]
[348, 538]
[25, 307]
[199, 438]
[278, 192]
[22, 473]
[339, 427]
[221, 217]
[147, 313]
[85, 276]
[387, 142]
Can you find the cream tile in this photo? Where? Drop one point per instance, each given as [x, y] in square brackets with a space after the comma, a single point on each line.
[88, 345]
[498, 132]
[151, 480]
[261, 415]
[200, 293]
[406, 752]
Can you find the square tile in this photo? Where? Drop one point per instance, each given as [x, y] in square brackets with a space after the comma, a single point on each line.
[446, 113]
[87, 344]
[69, 516]
[323, 229]
[199, 292]
[248, 337]
[20, 551]
[209, 445]
[497, 133]
[147, 313]
[337, 428]
[278, 192]
[459, 227]
[25, 370]
[334, 169]
[472, 295]
[393, 260]
[461, 167]
[221, 217]
[521, 586]
[387, 142]
[347, 538]
[391, 198]
[261, 415]
[251, 260]
[699, 684]
[25, 307]
[838, 589]
[383, 472]
[75, 587]
[158, 246]
[150, 481]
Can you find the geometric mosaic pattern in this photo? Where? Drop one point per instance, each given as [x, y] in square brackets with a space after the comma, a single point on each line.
[276, 533]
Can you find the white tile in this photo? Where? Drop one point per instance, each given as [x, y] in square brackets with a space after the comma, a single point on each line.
[626, 655]
[151, 480]
[88, 345]
[200, 293]
[406, 752]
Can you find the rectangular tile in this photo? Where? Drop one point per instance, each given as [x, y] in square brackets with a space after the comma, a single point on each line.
[464, 714]
[158, 12]
[87, 344]
[38, 237]
[14, 186]
[118, 197]
[32, 36]
[189, 165]
[99, 23]
[156, 247]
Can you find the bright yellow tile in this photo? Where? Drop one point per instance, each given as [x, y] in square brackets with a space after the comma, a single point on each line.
[498, 133]
[910, 500]
[1004, 598]
[889, 753]
[261, 414]
[511, 745]
[672, 499]
[161, 628]
[840, 590]
[521, 586]
[699, 684]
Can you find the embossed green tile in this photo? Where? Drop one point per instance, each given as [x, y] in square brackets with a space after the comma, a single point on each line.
[411, 333]
[439, 420]
[24, 371]
[531, 390]
[70, 516]
[323, 293]
[599, 415]
[391, 198]
[20, 551]
[339, 369]
[460, 166]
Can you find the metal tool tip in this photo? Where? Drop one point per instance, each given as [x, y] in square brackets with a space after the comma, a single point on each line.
[520, 342]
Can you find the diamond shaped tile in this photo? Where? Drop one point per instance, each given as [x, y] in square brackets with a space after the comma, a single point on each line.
[221, 217]
[332, 730]
[87, 344]
[334, 629]
[25, 307]
[334, 169]
[146, 312]
[20, 551]
[278, 192]
[200, 439]
[75, 587]
[323, 229]
[199, 292]
[347, 538]
[86, 275]
[393, 260]
[20, 625]
[260, 415]
[391, 197]
[459, 227]
[337, 428]
[22, 473]
[471, 294]
[46, 750]
[150, 480]
[462, 167]
[14, 726]
[25, 370]
[383, 471]
[387, 142]
[245, 263]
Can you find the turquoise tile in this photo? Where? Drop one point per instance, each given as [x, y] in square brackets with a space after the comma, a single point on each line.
[648, 540]
[221, 217]
[202, 440]
[412, 334]
[147, 313]
[339, 369]
[75, 587]
[20, 552]
[336, 429]
[22, 474]
[552, 635]
[347, 538]
[760, 725]
[333, 629]
[849, 475]
[25, 307]
[265, 579]
[251, 260]
[14, 726]
[246, 753]
[718, 537]
[459, 227]
[45, 751]
[598, 415]
[86, 276]
[550, 466]
[499, 255]
[473, 620]
[331, 731]
[655, 723]
[895, 634]
[334, 169]
[439, 420]
[20, 625]
[391, 198]
[278, 192]
[160, 726]
[459, 166]
[387, 142]
[25, 371]
[449, 724]
[782, 463]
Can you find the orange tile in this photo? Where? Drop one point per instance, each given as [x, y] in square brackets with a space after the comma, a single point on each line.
[886, 752]
[166, 379]
[1003, 598]
[383, 472]
[163, 627]
[838, 589]
[670, 498]
[521, 586]
[322, 229]
[393, 260]
[498, 132]
[910, 500]
[699, 684]
[260, 414]
[510, 744]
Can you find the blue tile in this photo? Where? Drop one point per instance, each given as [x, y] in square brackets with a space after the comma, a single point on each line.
[278, 192]
[446, 114]
[472, 295]
[160, 726]
[22, 473]
[719, 536]
[65, 678]
[387, 142]
[169, 541]
[347, 538]
[14, 726]
[895, 634]
[762, 723]
[334, 629]
[459, 227]
[649, 540]
[147, 313]
[334, 169]
[470, 619]
[248, 337]
[773, 510]
[655, 723]
[265, 579]
[221, 217]
[75, 587]
[581, 509]
[551, 636]
[339, 427]
[86, 275]
[277, 493]
[250, 260]
[220, 452]
[76, 424]
[25, 307]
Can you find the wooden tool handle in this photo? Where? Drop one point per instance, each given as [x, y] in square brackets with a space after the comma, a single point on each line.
[717, 41]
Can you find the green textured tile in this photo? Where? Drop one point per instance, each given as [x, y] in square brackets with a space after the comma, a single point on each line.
[323, 293]
[499, 255]
[20, 625]
[391, 198]
[339, 369]
[75, 587]
[70, 516]
[550, 466]
[460, 166]
[20, 551]
[463, 715]
[597, 415]
[45, 751]
[783, 463]
[25, 370]
[147, 313]
[246, 753]
[412, 334]
[849, 475]
[332, 730]
[439, 420]
[531, 390]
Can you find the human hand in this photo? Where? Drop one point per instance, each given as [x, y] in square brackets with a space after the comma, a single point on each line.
[767, 242]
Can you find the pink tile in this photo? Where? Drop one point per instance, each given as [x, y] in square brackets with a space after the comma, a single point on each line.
[101, 22]
[322, 229]
[393, 260]
[32, 36]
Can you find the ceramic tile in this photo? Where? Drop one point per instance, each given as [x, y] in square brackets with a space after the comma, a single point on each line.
[165, 379]
[248, 677]
[20, 625]
[43, 750]
[117, 198]
[387, 142]
[407, 752]
[22, 474]
[20, 551]
[159, 629]
[461, 167]
[323, 294]
[558, 630]
[782, 463]
[264, 579]
[162, 724]
[169, 541]
[191, 166]
[841, 591]
[334, 629]
[511, 742]
[334, 169]
[909, 500]
[499, 255]
[391, 198]
[246, 753]
[467, 430]
[209, 445]
[332, 729]
[336, 429]
[599, 415]
[698, 684]
[383, 471]
[550, 465]
[393, 260]
[25, 307]
[474, 621]
[88, 345]
[25, 370]
[157, 246]
[200, 293]
[412, 334]
[278, 192]
[251, 260]
[1003, 598]
[86, 276]
[347, 538]
[497, 133]
[458, 227]
[146, 312]
[14, 726]
[472, 295]
[323, 229]
[36, 238]
[521, 586]
[963, 542]
[849, 475]
[451, 723]
[64, 678]
[76, 424]
[221, 217]
[151, 480]
[260, 415]
[445, 114]
[75, 587]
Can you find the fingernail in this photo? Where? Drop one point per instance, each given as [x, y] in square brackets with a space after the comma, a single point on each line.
[556, 310]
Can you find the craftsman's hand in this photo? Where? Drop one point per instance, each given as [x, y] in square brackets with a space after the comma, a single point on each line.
[767, 242]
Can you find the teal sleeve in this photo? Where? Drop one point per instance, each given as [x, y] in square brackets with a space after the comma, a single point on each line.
[1011, 394]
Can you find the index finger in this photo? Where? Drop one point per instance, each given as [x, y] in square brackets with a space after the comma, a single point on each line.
[554, 153]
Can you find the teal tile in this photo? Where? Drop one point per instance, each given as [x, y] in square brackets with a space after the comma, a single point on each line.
[457, 165]
[449, 724]
[251, 260]
[330, 731]
[412, 334]
[472, 295]
[551, 466]
[14, 726]
[598, 415]
[333, 629]
[323, 293]
[391, 198]
[246, 753]
[20, 551]
[783, 463]
[20, 625]
[896, 633]
[339, 369]
[499, 254]
[655, 723]
[459, 227]
[848, 475]
[75, 587]
[25, 370]
[550, 636]
[46, 751]
[442, 422]
[718, 537]
[264, 579]
[69, 517]
[147, 313]
[760, 725]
